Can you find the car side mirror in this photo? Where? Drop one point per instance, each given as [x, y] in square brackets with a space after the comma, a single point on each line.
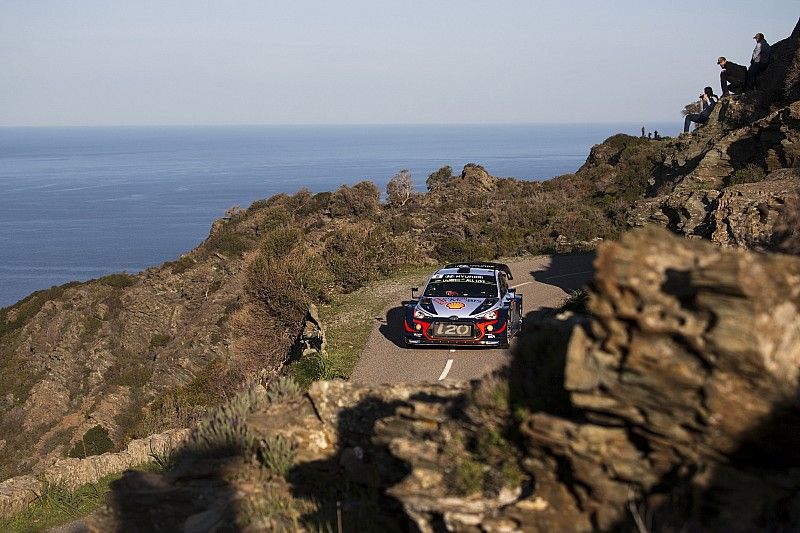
[512, 290]
[413, 291]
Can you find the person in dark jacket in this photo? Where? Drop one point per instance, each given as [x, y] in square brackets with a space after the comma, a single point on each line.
[759, 61]
[709, 100]
[733, 77]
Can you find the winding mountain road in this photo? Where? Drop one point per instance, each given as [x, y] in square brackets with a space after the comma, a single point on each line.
[544, 281]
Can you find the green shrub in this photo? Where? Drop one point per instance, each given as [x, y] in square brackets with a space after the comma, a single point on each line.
[283, 388]
[94, 442]
[315, 367]
[401, 224]
[129, 370]
[454, 249]
[362, 200]
[181, 265]
[277, 453]
[310, 205]
[285, 285]
[228, 241]
[467, 477]
[438, 178]
[159, 340]
[224, 433]
[356, 255]
[118, 281]
[56, 505]
[90, 329]
[274, 217]
[748, 174]
[280, 241]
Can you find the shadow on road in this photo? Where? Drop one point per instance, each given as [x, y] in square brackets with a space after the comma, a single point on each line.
[569, 272]
[392, 329]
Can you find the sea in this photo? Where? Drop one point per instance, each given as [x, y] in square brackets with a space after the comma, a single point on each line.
[82, 202]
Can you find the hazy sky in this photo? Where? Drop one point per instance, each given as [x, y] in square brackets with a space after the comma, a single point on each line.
[109, 62]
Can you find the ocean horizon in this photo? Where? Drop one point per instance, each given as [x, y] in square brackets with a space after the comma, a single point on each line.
[82, 202]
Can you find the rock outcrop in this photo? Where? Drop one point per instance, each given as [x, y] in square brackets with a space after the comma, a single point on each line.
[673, 405]
[697, 185]
[685, 388]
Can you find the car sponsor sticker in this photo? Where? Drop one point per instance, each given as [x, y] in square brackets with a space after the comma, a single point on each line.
[455, 305]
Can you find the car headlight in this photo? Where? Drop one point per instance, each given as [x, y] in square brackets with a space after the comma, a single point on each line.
[491, 315]
[419, 314]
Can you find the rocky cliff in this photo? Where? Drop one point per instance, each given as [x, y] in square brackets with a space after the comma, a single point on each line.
[729, 180]
[673, 405]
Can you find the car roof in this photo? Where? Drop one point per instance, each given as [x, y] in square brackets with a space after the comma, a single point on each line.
[467, 270]
[481, 268]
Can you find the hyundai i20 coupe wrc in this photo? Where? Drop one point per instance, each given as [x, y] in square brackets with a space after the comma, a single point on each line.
[464, 304]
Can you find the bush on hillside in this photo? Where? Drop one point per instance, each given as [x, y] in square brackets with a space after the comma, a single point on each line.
[94, 442]
[362, 200]
[439, 178]
[118, 281]
[357, 255]
[748, 174]
[457, 249]
[280, 241]
[283, 285]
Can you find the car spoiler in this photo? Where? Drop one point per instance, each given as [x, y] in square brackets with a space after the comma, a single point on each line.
[489, 266]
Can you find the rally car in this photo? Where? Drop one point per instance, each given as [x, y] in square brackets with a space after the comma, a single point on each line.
[464, 304]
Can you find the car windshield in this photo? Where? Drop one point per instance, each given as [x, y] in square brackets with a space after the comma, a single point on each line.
[455, 285]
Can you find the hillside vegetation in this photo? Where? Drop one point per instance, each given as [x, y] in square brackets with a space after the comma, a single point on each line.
[129, 355]
[136, 354]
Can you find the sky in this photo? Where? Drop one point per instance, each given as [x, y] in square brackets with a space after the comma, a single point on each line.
[198, 62]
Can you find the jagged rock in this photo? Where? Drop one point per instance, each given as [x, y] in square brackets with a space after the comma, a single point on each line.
[312, 339]
[476, 176]
[690, 207]
[781, 80]
[17, 493]
[746, 215]
[692, 358]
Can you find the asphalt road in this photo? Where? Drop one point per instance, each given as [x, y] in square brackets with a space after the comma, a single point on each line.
[544, 281]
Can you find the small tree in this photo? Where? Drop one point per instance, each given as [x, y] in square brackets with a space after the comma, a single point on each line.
[400, 188]
[441, 176]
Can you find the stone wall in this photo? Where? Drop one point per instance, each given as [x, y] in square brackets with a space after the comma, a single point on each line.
[19, 492]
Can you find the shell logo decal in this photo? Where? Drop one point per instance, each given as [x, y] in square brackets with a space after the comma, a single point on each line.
[455, 305]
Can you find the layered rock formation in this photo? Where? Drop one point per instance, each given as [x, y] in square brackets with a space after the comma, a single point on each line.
[704, 184]
[674, 405]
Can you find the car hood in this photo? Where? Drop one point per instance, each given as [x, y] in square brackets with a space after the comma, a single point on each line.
[453, 306]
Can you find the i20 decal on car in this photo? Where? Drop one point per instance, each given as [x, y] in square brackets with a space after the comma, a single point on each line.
[464, 304]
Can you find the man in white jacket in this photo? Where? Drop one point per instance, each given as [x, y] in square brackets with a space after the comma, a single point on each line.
[759, 61]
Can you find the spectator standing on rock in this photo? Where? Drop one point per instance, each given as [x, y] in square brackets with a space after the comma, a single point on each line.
[733, 77]
[709, 100]
[759, 61]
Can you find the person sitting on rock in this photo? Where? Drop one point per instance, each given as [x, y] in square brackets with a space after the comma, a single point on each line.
[759, 61]
[733, 77]
[709, 100]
